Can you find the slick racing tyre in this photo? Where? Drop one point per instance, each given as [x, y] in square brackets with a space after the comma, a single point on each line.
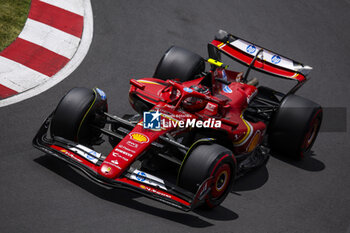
[179, 63]
[206, 161]
[77, 112]
[295, 126]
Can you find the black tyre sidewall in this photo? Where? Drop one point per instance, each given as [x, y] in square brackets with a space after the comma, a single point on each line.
[179, 63]
[290, 125]
[75, 112]
[200, 164]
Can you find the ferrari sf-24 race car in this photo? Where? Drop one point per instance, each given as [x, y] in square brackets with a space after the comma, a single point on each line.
[196, 130]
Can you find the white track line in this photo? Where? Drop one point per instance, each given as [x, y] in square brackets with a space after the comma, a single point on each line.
[69, 68]
[15, 76]
[51, 38]
[74, 6]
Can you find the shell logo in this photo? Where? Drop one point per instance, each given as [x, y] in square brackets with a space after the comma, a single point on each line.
[139, 137]
[142, 186]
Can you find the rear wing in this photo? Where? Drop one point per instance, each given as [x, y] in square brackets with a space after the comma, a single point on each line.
[266, 60]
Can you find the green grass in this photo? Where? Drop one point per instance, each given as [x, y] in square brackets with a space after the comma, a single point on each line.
[13, 15]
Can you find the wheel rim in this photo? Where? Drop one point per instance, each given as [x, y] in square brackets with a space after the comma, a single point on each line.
[221, 180]
[311, 134]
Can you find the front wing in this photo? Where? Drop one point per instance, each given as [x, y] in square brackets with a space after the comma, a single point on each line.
[152, 187]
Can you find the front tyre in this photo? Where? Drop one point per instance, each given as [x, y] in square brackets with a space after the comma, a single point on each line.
[206, 161]
[77, 113]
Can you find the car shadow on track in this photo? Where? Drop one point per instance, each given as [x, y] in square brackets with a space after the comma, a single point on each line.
[219, 213]
[252, 180]
[126, 198]
[308, 163]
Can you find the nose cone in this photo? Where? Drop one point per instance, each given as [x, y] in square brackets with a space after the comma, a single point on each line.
[108, 171]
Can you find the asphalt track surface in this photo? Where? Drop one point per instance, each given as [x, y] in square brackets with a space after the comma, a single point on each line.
[40, 194]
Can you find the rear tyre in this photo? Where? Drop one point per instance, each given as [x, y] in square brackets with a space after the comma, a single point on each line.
[179, 63]
[206, 161]
[295, 126]
[75, 114]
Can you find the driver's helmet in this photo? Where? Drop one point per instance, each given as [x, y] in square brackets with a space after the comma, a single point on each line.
[194, 104]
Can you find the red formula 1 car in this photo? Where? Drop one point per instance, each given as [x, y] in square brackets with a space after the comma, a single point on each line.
[195, 130]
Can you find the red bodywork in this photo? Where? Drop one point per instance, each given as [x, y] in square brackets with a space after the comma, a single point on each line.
[225, 106]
